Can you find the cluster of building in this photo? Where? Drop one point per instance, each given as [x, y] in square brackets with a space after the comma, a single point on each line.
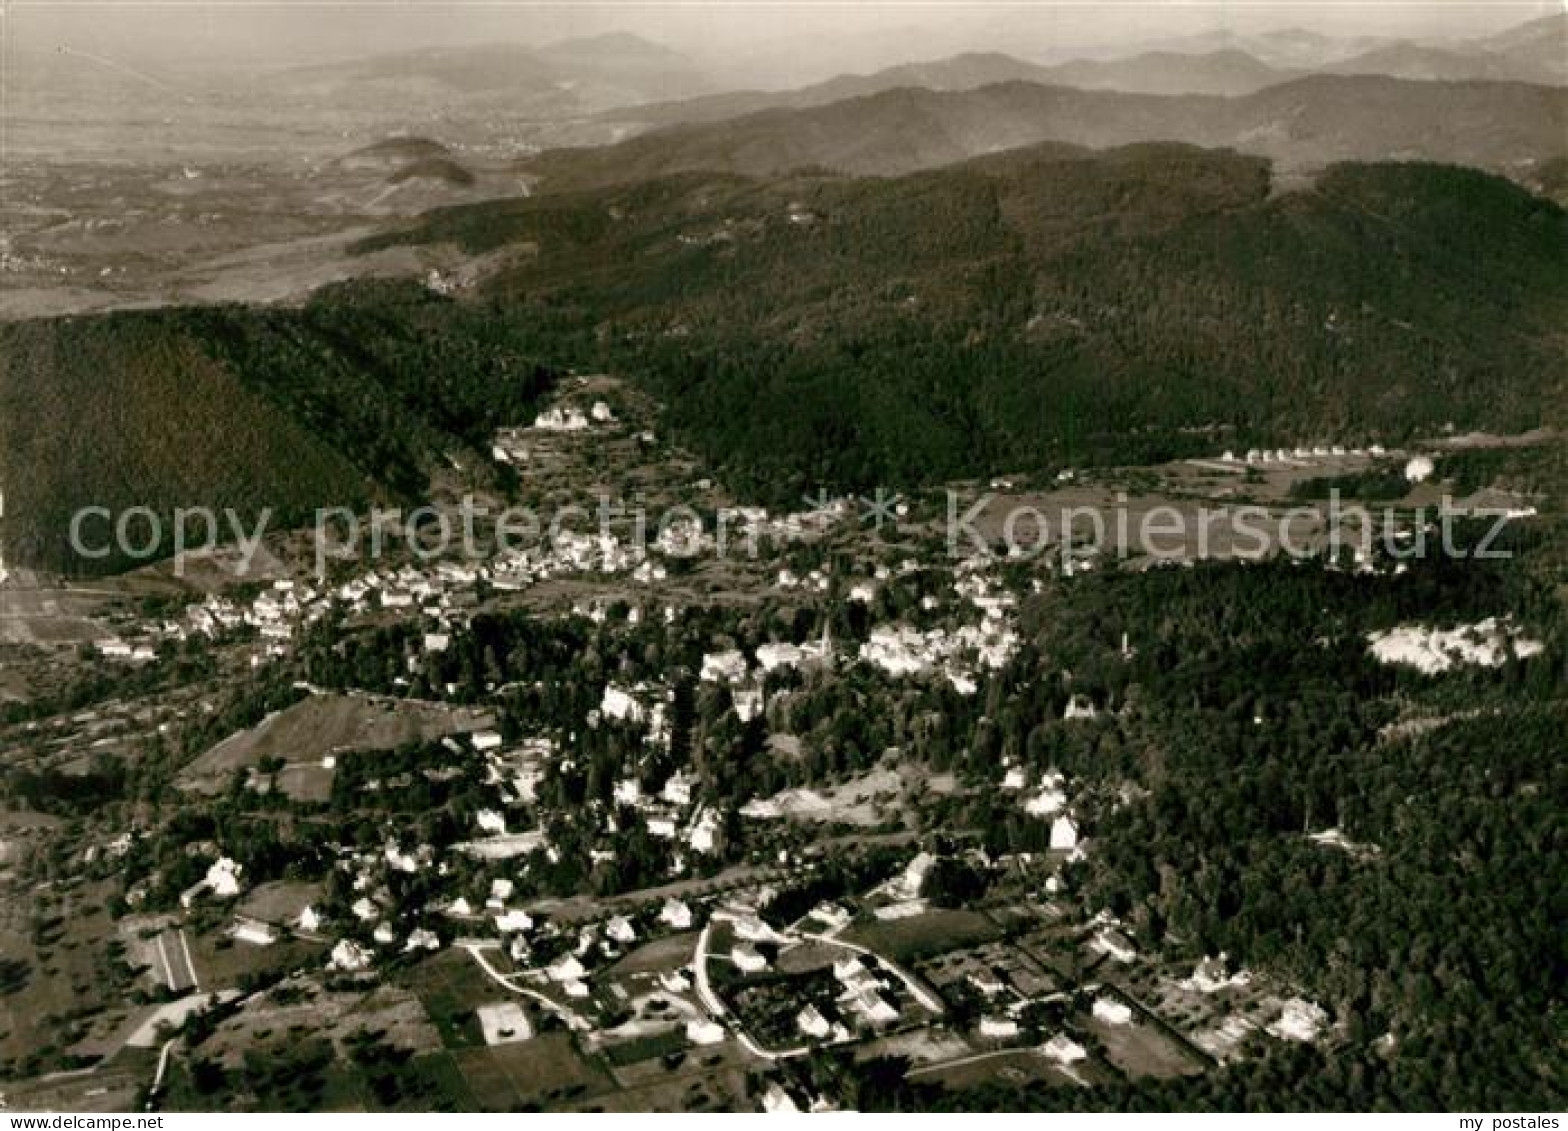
[960, 653]
[275, 614]
[1047, 801]
[1289, 456]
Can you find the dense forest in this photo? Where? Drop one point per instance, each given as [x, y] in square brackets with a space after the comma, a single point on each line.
[1043, 307]
[360, 395]
[1250, 715]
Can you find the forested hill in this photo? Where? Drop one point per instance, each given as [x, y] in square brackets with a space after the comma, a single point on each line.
[361, 395]
[1022, 311]
[1042, 307]
[1504, 127]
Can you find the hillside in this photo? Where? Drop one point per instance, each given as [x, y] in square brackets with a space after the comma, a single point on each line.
[1534, 52]
[1452, 64]
[125, 410]
[1030, 308]
[1302, 124]
[360, 395]
[1042, 307]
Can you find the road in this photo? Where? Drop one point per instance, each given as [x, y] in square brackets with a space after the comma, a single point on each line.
[711, 1002]
[163, 1068]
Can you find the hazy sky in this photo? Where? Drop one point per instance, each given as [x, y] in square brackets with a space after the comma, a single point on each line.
[812, 35]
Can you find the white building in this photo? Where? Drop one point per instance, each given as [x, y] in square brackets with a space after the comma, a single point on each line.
[1113, 944]
[509, 922]
[705, 832]
[676, 914]
[422, 938]
[1111, 1011]
[619, 704]
[1299, 1020]
[811, 1022]
[349, 956]
[776, 1101]
[724, 667]
[567, 969]
[678, 788]
[747, 959]
[873, 1008]
[998, 1028]
[254, 932]
[1079, 707]
[1064, 834]
[1063, 1049]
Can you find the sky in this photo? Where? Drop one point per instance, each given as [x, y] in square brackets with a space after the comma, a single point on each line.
[805, 36]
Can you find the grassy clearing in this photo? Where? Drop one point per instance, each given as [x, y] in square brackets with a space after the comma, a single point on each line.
[324, 724]
[921, 935]
[546, 1070]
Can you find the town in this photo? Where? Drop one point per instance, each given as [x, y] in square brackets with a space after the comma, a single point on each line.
[601, 825]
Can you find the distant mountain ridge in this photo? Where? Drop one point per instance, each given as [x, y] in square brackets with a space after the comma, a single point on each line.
[1303, 124]
[570, 76]
[1535, 51]
[1221, 72]
[1217, 63]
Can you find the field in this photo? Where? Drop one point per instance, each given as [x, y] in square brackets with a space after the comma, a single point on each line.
[1109, 508]
[1012, 1066]
[60, 989]
[669, 952]
[224, 961]
[1140, 1049]
[231, 233]
[866, 800]
[279, 902]
[921, 1046]
[548, 1069]
[49, 616]
[711, 1078]
[920, 935]
[320, 725]
[451, 986]
[112, 1089]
